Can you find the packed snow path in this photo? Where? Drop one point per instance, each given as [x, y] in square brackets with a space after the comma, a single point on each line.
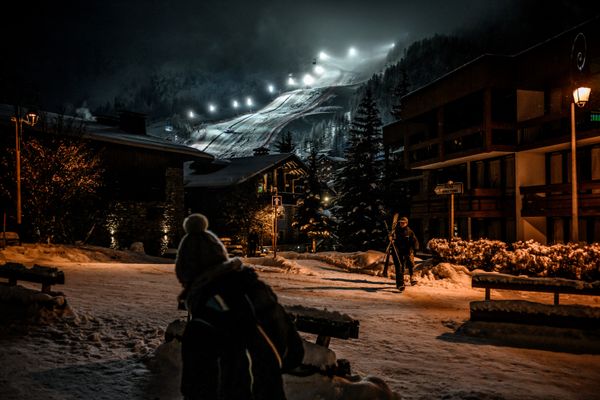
[406, 339]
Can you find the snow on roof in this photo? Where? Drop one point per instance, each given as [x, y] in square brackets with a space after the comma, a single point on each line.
[241, 169]
[95, 131]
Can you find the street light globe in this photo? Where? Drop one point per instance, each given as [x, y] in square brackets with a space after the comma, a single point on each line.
[319, 70]
[581, 96]
[212, 108]
[249, 101]
[352, 52]
[191, 114]
[271, 88]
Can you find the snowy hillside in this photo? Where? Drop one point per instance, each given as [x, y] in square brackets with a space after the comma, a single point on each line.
[315, 93]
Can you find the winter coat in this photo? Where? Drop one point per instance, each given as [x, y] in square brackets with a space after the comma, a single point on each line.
[239, 339]
[406, 241]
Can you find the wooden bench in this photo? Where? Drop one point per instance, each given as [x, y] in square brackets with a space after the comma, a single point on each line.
[528, 312]
[325, 324]
[47, 276]
[492, 280]
[9, 238]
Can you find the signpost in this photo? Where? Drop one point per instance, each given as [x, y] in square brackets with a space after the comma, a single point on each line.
[276, 202]
[450, 188]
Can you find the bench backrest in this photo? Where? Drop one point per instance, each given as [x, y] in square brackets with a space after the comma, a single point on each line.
[549, 285]
[37, 274]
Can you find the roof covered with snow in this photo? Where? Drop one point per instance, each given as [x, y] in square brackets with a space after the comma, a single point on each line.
[95, 131]
[241, 169]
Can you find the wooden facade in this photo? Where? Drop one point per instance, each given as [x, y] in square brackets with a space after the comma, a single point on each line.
[501, 125]
[141, 198]
[262, 175]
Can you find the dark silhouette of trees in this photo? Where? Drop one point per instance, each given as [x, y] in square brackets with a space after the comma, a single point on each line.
[358, 206]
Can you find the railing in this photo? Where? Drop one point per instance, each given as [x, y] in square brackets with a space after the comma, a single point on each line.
[555, 200]
[475, 203]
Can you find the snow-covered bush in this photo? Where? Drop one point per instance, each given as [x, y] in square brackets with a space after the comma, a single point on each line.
[480, 254]
[571, 261]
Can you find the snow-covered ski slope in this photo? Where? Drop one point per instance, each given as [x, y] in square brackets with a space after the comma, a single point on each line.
[239, 136]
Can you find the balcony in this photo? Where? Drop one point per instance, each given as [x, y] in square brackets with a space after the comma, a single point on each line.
[475, 203]
[555, 200]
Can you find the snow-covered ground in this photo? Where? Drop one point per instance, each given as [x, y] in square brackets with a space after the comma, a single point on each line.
[123, 302]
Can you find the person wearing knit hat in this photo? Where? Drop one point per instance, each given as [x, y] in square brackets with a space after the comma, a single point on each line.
[238, 339]
[199, 250]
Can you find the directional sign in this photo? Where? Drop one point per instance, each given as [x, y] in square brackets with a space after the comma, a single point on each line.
[276, 200]
[449, 188]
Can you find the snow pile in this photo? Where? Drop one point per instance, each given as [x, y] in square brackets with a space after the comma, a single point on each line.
[366, 262]
[277, 264]
[60, 253]
[451, 275]
[32, 306]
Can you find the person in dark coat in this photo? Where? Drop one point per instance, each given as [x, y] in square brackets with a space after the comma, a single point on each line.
[406, 243]
[239, 339]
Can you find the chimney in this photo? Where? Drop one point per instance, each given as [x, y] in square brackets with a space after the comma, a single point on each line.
[260, 151]
[132, 122]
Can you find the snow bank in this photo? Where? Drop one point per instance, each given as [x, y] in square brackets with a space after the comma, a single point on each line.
[277, 264]
[366, 262]
[60, 253]
[452, 275]
[18, 303]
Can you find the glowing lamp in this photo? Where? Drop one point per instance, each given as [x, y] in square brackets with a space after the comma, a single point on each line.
[581, 96]
[31, 118]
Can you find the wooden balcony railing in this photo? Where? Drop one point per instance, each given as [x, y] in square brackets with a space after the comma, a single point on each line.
[555, 200]
[475, 203]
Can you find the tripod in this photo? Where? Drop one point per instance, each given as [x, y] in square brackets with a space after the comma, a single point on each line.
[391, 245]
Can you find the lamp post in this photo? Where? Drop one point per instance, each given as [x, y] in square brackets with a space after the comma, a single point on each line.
[581, 96]
[30, 119]
[276, 201]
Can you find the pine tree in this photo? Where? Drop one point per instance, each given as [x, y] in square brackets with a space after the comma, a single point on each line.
[285, 143]
[310, 217]
[400, 91]
[359, 208]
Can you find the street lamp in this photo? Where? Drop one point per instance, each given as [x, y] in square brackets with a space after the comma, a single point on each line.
[581, 96]
[30, 119]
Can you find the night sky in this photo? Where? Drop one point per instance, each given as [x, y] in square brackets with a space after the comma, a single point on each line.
[88, 52]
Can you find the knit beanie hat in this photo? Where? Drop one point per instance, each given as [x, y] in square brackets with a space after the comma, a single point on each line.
[195, 223]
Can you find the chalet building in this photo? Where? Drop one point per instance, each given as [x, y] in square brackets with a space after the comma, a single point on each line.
[142, 196]
[501, 125]
[236, 179]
